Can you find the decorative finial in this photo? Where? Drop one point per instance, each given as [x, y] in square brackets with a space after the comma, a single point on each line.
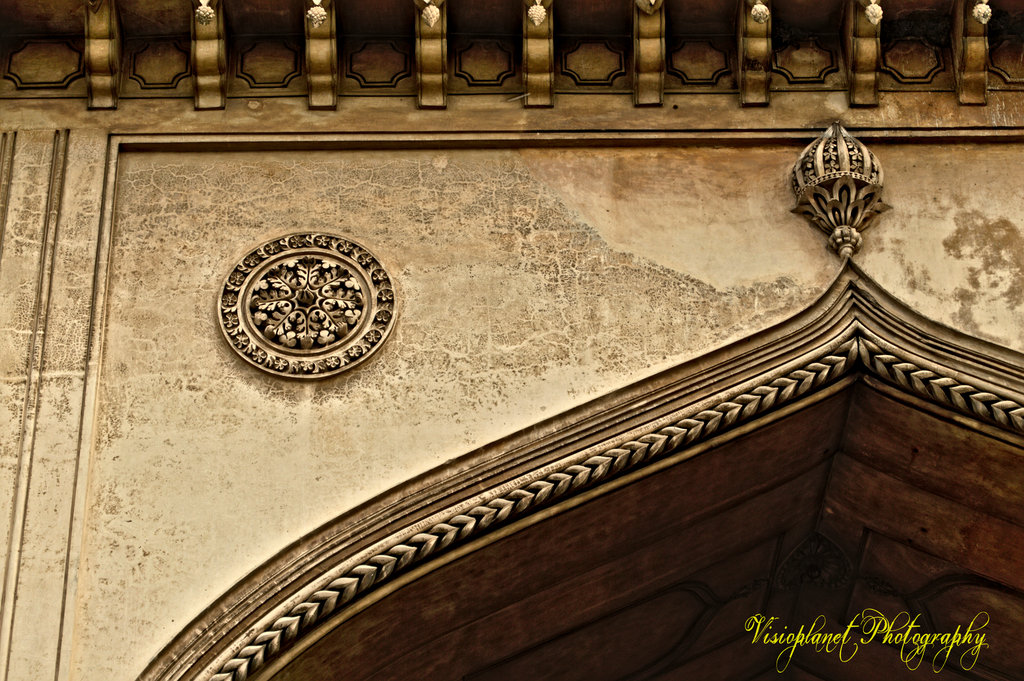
[537, 13]
[430, 14]
[760, 12]
[982, 12]
[204, 13]
[838, 187]
[874, 12]
[317, 15]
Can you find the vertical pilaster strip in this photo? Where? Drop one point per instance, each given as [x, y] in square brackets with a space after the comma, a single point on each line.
[863, 45]
[432, 53]
[755, 55]
[35, 214]
[209, 59]
[539, 53]
[94, 224]
[42, 579]
[6, 163]
[322, 57]
[102, 53]
[648, 52]
[970, 54]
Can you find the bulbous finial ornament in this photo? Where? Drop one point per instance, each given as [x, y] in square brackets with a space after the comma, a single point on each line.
[537, 13]
[760, 12]
[982, 12]
[838, 186]
[317, 15]
[874, 12]
[204, 13]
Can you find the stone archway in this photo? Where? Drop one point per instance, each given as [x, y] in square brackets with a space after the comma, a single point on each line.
[855, 456]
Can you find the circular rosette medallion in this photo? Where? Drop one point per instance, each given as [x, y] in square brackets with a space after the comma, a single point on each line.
[307, 305]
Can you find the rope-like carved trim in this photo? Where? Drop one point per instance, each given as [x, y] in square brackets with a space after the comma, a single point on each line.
[575, 475]
[564, 482]
[945, 390]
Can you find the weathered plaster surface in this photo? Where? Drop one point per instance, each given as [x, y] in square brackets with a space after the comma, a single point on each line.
[22, 276]
[44, 559]
[953, 246]
[530, 282]
[522, 294]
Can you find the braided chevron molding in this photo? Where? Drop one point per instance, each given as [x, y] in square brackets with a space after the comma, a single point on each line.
[944, 390]
[574, 476]
[567, 480]
[855, 329]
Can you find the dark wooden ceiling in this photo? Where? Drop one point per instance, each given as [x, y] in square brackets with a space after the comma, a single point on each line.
[865, 499]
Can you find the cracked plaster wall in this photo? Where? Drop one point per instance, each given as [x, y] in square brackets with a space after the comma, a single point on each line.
[530, 281]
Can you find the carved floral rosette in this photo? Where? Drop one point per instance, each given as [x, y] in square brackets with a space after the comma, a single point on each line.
[307, 305]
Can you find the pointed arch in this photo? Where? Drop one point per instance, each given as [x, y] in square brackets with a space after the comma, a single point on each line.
[855, 331]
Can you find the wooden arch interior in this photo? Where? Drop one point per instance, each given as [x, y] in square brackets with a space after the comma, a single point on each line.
[863, 497]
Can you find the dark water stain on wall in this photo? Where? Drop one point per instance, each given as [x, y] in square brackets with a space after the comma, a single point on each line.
[995, 250]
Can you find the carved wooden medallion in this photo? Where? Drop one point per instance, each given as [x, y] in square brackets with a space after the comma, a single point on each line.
[307, 305]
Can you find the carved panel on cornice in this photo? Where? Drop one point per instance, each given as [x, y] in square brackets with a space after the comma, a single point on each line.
[268, 64]
[43, 64]
[483, 64]
[383, 66]
[157, 68]
[1007, 62]
[593, 65]
[698, 63]
[912, 61]
[807, 63]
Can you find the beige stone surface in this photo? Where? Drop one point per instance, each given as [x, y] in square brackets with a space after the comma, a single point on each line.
[22, 281]
[522, 294]
[45, 566]
[531, 280]
[953, 245]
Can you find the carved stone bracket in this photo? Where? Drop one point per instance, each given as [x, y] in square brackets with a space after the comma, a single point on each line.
[862, 43]
[648, 52]
[102, 53]
[321, 55]
[838, 185]
[755, 53]
[539, 52]
[209, 57]
[432, 54]
[970, 52]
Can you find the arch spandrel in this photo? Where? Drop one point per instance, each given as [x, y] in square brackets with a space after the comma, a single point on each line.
[856, 349]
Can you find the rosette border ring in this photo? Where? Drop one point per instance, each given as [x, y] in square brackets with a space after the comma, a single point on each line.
[307, 305]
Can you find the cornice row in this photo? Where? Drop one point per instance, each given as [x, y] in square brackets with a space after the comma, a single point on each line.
[325, 63]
